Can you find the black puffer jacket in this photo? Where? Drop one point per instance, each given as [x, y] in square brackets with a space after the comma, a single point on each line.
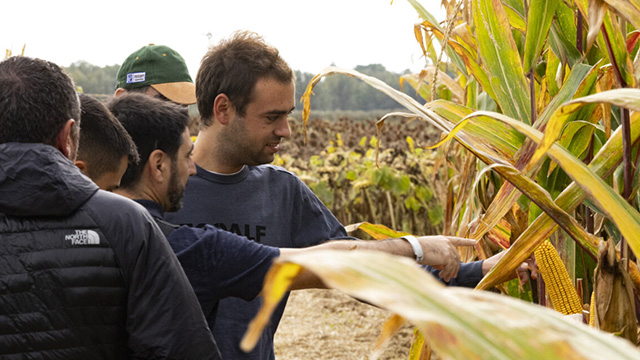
[86, 274]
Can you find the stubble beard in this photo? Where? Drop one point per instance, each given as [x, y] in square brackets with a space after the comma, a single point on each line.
[244, 153]
[176, 189]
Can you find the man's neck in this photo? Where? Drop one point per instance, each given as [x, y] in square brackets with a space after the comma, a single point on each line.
[210, 156]
[136, 194]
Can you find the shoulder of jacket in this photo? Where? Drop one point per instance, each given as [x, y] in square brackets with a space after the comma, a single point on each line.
[106, 204]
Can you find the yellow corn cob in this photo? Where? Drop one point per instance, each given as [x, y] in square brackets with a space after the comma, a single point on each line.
[562, 294]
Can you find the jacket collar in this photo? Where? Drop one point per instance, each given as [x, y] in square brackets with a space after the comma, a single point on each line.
[37, 180]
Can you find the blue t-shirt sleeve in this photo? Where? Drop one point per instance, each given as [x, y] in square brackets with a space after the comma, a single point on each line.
[221, 264]
[469, 274]
[314, 221]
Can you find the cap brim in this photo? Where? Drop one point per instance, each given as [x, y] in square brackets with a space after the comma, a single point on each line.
[179, 92]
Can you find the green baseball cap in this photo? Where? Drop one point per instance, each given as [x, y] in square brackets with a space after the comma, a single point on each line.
[160, 67]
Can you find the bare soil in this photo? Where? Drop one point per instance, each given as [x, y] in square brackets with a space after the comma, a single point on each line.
[327, 324]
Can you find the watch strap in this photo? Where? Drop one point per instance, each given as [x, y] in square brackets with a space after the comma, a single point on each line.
[415, 245]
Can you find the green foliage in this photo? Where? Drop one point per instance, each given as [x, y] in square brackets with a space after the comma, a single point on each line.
[94, 79]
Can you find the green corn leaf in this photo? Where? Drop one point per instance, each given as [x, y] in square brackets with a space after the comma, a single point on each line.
[553, 65]
[617, 40]
[627, 98]
[516, 6]
[579, 83]
[554, 117]
[504, 139]
[538, 23]
[457, 50]
[562, 37]
[501, 59]
[515, 19]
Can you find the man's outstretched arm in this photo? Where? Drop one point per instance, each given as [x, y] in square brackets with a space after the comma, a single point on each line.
[438, 251]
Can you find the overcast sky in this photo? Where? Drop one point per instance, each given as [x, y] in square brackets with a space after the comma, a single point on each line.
[310, 34]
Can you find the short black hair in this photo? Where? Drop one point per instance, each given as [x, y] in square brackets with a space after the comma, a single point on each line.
[103, 139]
[152, 124]
[36, 99]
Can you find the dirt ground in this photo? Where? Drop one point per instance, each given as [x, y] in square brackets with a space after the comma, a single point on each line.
[326, 324]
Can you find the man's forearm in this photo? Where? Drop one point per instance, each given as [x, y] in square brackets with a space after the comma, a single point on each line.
[439, 251]
[398, 247]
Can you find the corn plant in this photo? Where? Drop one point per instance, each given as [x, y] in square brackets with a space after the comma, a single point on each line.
[540, 119]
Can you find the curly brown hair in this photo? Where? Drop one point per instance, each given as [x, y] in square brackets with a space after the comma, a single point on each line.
[233, 67]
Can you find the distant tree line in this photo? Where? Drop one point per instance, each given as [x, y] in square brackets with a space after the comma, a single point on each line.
[94, 79]
[332, 93]
[340, 92]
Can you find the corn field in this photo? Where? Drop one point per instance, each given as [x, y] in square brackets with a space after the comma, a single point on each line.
[396, 185]
[536, 115]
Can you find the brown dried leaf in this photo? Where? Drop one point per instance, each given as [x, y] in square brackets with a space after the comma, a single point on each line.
[614, 302]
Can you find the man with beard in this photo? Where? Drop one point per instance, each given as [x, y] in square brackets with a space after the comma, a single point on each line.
[220, 264]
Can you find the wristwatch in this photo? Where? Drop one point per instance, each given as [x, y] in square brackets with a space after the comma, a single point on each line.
[417, 249]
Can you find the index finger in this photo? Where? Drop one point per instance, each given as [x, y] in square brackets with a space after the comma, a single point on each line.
[459, 241]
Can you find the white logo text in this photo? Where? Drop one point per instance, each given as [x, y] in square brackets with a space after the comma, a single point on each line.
[83, 237]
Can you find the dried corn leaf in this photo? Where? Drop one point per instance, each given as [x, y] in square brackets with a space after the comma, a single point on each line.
[614, 301]
[461, 323]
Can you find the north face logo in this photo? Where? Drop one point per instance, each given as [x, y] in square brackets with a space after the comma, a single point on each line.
[83, 237]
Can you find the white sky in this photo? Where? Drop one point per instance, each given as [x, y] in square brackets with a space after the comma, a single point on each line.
[310, 34]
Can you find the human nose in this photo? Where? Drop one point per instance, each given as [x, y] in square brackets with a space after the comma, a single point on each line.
[283, 129]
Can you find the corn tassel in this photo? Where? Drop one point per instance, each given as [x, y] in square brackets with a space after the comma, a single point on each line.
[562, 293]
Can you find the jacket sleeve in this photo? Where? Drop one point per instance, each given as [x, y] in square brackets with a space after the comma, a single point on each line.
[164, 318]
[469, 274]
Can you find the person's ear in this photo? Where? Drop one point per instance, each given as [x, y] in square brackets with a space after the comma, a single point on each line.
[83, 166]
[158, 165]
[65, 140]
[119, 91]
[223, 109]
